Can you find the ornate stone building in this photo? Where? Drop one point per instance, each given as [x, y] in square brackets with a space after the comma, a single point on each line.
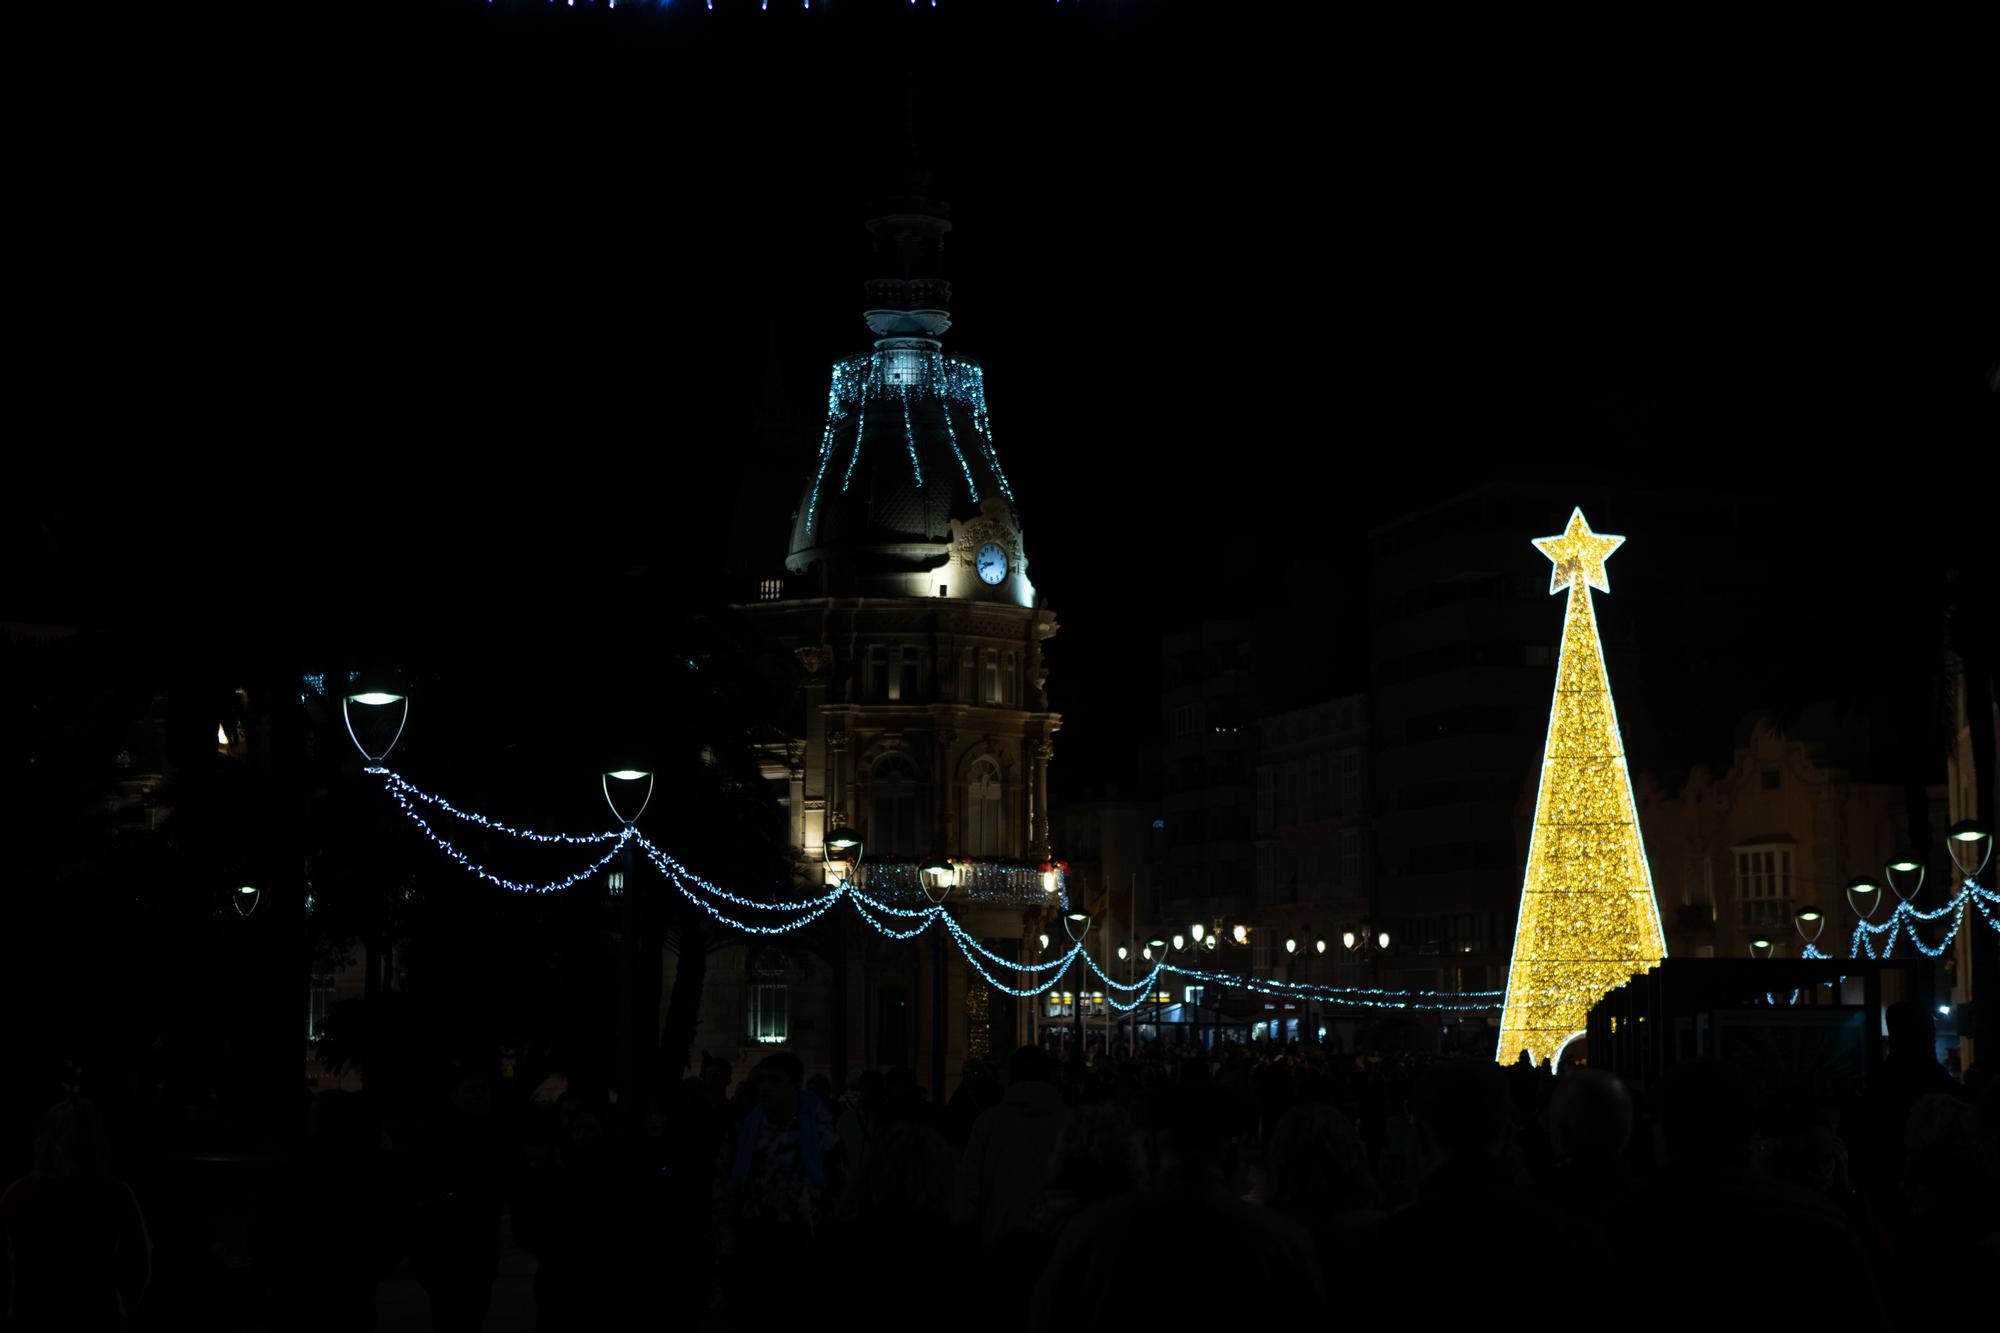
[922, 716]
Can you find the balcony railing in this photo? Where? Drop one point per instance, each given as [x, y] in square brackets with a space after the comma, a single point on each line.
[993, 880]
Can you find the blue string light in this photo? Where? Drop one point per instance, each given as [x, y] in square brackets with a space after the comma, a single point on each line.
[909, 439]
[860, 429]
[873, 910]
[669, 866]
[555, 886]
[784, 929]
[951, 433]
[400, 783]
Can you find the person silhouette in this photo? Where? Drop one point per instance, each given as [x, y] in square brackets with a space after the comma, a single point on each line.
[81, 1255]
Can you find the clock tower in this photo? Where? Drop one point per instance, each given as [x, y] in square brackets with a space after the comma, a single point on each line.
[921, 714]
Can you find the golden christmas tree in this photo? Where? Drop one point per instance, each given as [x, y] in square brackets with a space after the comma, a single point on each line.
[1588, 919]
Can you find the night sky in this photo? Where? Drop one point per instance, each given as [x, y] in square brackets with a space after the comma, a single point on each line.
[499, 334]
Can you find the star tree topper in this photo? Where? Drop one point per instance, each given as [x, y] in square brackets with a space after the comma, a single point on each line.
[1578, 553]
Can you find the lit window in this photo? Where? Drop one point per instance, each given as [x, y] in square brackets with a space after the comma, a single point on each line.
[1764, 885]
[319, 1004]
[770, 1011]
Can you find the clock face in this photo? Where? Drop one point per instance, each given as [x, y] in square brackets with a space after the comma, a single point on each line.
[991, 562]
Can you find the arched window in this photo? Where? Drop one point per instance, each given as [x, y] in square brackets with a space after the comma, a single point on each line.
[892, 811]
[985, 835]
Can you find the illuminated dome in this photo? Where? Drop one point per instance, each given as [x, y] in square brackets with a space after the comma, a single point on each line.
[907, 497]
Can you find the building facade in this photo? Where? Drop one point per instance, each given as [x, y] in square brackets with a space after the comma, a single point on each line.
[1736, 852]
[921, 715]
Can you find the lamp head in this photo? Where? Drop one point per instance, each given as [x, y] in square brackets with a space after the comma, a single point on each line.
[1969, 830]
[372, 692]
[630, 776]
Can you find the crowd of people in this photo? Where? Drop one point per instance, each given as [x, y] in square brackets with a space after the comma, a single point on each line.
[1177, 1185]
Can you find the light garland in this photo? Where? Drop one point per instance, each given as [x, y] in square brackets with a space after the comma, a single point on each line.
[554, 886]
[669, 866]
[1306, 988]
[909, 441]
[1588, 920]
[1011, 881]
[906, 373]
[1906, 915]
[400, 783]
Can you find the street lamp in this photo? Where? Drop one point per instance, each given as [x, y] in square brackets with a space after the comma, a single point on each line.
[1346, 939]
[1970, 843]
[628, 776]
[1810, 922]
[1180, 942]
[1319, 946]
[1077, 925]
[842, 851]
[936, 876]
[1241, 933]
[1864, 895]
[1291, 946]
[246, 898]
[1906, 869]
[1196, 931]
[372, 695]
[1761, 947]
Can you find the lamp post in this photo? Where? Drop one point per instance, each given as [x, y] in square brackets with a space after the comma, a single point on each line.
[1077, 924]
[376, 695]
[1132, 1023]
[621, 885]
[1970, 842]
[938, 877]
[841, 850]
[1157, 949]
[1365, 944]
[1051, 996]
[1319, 1005]
[625, 889]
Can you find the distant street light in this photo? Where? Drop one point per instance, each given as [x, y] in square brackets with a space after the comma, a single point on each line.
[1864, 895]
[1906, 869]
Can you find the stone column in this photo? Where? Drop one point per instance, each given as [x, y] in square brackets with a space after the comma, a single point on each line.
[1044, 751]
